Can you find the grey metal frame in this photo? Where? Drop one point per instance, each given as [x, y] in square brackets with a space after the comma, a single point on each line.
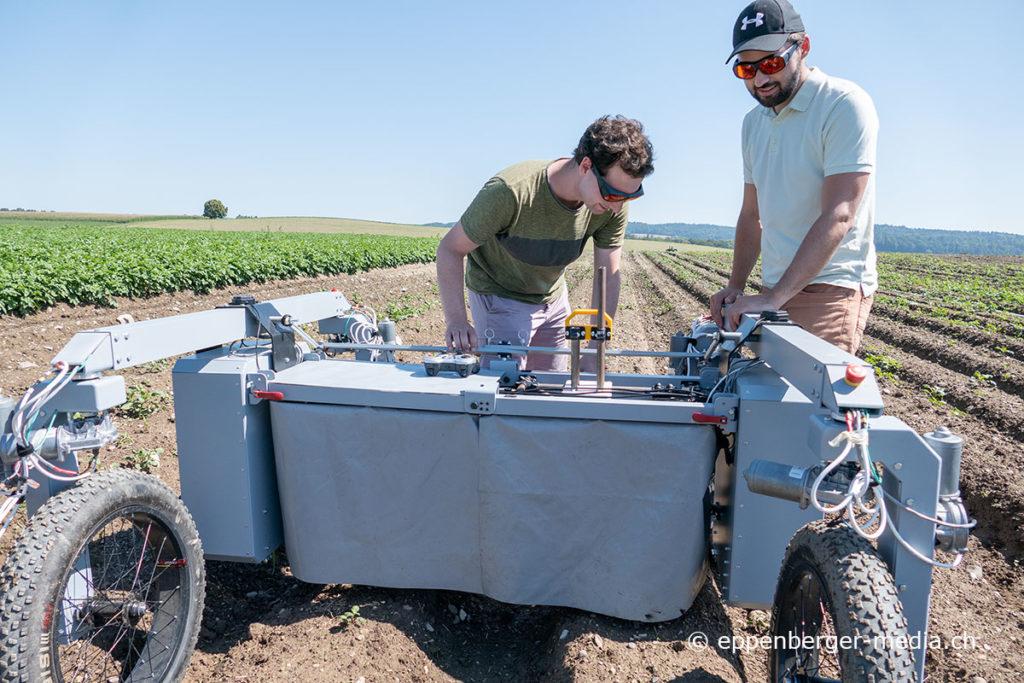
[783, 411]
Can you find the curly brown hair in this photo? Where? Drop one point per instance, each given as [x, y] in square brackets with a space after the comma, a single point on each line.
[617, 140]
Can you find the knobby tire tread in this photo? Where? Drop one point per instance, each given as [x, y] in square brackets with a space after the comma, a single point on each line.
[862, 595]
[27, 579]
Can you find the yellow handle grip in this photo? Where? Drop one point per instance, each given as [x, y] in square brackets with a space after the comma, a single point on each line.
[588, 311]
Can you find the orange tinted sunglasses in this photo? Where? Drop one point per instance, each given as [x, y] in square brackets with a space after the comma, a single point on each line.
[769, 65]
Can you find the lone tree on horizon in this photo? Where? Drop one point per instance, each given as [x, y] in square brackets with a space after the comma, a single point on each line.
[214, 208]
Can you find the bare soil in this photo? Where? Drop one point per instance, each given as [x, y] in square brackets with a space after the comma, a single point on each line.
[262, 624]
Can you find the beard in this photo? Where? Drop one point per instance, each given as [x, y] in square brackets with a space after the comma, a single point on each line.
[785, 90]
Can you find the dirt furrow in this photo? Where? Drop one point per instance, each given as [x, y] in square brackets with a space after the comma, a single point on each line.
[693, 283]
[987, 420]
[997, 408]
[952, 354]
[989, 339]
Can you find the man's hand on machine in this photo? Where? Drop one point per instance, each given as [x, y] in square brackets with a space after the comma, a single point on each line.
[752, 303]
[460, 337]
[722, 298]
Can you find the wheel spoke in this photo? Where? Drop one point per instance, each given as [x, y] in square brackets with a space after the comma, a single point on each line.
[129, 612]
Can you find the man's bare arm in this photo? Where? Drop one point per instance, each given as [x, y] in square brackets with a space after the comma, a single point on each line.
[745, 251]
[841, 195]
[609, 259]
[451, 259]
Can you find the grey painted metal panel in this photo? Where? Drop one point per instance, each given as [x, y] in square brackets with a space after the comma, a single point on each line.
[89, 395]
[813, 367]
[773, 422]
[905, 453]
[92, 349]
[225, 456]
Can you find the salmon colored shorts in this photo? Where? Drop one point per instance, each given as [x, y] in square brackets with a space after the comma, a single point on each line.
[836, 314]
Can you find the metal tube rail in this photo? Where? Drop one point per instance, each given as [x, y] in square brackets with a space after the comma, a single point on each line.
[501, 348]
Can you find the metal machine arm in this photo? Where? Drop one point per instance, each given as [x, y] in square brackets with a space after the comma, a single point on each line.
[122, 346]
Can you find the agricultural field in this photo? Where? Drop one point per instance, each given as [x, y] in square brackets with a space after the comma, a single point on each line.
[42, 266]
[944, 337]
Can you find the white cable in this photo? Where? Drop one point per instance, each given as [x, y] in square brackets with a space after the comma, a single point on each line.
[855, 499]
[944, 565]
[880, 512]
[821, 477]
[938, 522]
[30, 405]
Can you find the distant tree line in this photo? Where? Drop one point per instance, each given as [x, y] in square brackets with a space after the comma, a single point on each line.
[892, 238]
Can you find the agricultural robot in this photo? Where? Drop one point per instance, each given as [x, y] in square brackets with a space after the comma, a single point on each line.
[763, 452]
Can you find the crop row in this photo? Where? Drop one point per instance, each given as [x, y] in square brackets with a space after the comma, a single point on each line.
[984, 358]
[991, 300]
[41, 266]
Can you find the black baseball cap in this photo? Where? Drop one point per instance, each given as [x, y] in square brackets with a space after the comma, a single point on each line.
[764, 25]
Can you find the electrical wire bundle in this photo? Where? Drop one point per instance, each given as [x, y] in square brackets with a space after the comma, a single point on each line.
[868, 479]
[25, 413]
[728, 383]
[361, 326]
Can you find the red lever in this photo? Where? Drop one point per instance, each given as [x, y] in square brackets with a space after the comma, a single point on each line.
[709, 419]
[269, 395]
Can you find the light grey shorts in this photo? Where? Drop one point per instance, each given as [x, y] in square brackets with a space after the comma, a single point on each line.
[522, 324]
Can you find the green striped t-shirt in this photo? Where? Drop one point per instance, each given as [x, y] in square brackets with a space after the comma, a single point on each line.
[527, 237]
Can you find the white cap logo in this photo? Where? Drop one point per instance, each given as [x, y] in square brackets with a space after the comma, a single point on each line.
[756, 21]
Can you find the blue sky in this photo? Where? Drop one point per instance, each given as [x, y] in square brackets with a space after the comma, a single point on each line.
[399, 111]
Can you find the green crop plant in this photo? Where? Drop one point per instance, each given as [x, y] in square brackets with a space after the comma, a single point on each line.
[351, 617]
[155, 366]
[409, 305]
[935, 394]
[983, 378]
[885, 367]
[142, 400]
[143, 459]
[42, 265]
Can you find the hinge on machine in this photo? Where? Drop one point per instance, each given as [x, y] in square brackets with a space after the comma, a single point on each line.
[283, 352]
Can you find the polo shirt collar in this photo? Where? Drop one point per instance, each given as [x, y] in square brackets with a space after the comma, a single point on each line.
[802, 99]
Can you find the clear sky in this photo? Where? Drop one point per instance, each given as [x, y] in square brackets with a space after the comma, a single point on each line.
[399, 111]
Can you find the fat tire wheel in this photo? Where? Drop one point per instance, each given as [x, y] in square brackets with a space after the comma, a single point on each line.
[129, 538]
[837, 604]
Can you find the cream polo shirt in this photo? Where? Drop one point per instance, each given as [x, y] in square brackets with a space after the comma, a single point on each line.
[829, 127]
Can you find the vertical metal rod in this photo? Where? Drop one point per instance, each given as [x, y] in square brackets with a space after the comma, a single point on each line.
[574, 364]
[602, 279]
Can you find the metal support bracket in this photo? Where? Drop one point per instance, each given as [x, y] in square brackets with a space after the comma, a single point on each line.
[479, 401]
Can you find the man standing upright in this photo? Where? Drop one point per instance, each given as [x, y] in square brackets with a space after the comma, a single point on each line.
[809, 184]
[526, 225]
